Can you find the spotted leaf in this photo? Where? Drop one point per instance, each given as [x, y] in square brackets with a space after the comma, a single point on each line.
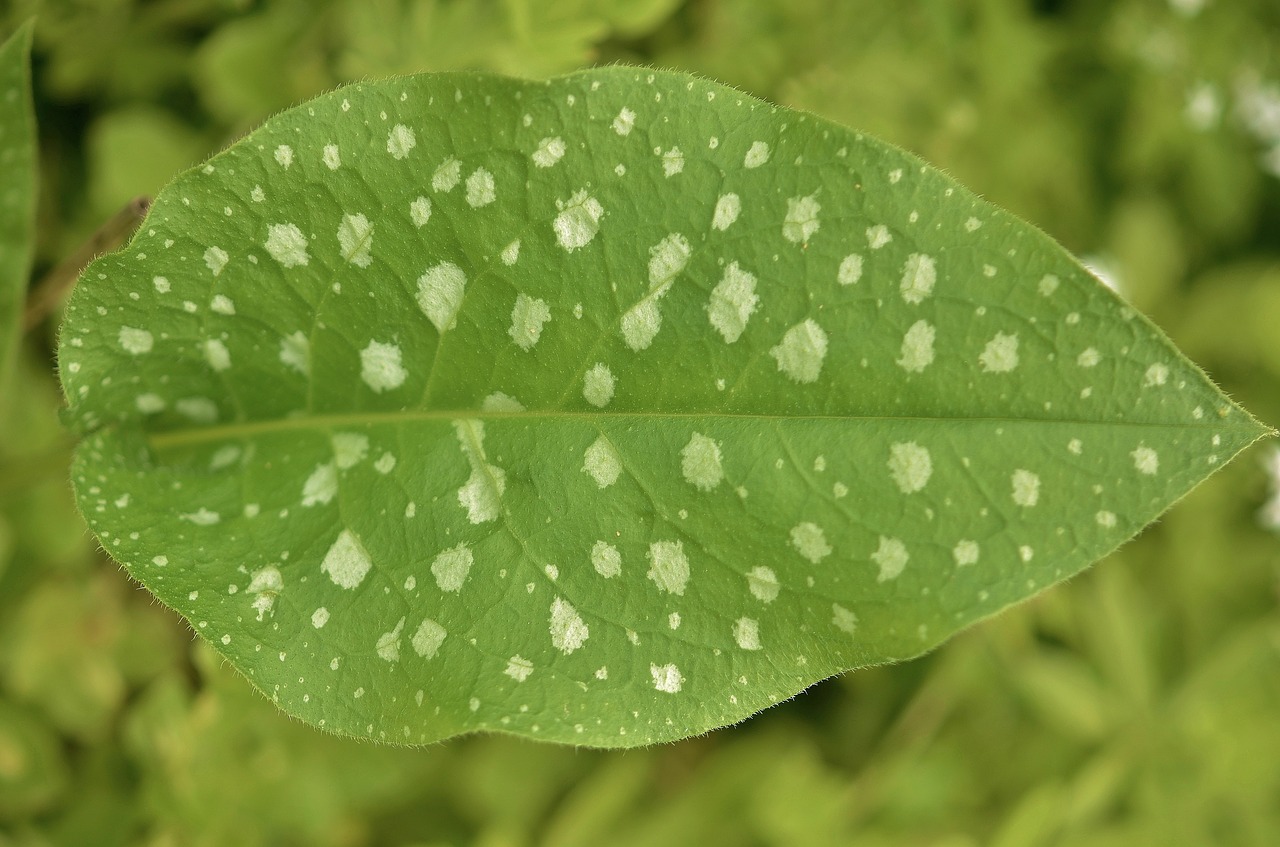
[18, 191]
[607, 410]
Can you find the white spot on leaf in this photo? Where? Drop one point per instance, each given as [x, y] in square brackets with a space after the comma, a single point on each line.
[667, 678]
[349, 449]
[843, 619]
[891, 556]
[578, 221]
[265, 585]
[700, 463]
[347, 562]
[763, 584]
[732, 302]
[1026, 488]
[640, 324]
[481, 190]
[295, 352]
[202, 517]
[602, 463]
[481, 495]
[606, 559]
[388, 644]
[355, 239]
[149, 404]
[400, 141]
[451, 567]
[878, 236]
[668, 566]
[215, 259]
[568, 630]
[420, 211]
[598, 385]
[447, 176]
[667, 259]
[201, 410]
[135, 341]
[965, 552]
[287, 245]
[511, 253]
[917, 347]
[728, 207]
[380, 366]
[440, 291]
[757, 155]
[850, 269]
[427, 638]
[801, 352]
[332, 157]
[527, 319]
[1146, 461]
[810, 541]
[1001, 354]
[672, 162]
[216, 354]
[910, 465]
[519, 668]
[746, 632]
[919, 274]
[499, 402]
[550, 151]
[624, 122]
[801, 221]
[321, 486]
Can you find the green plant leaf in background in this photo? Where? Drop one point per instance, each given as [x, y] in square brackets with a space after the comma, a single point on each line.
[607, 410]
[18, 191]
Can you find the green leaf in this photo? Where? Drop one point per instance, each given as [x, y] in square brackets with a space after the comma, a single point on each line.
[607, 410]
[18, 194]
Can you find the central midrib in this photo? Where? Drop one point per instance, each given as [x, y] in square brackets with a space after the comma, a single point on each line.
[249, 429]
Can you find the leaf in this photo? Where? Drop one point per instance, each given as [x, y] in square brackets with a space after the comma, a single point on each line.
[607, 410]
[18, 195]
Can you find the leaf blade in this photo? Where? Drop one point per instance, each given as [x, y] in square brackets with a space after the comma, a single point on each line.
[430, 523]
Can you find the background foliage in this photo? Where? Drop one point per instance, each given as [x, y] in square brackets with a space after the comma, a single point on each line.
[1135, 705]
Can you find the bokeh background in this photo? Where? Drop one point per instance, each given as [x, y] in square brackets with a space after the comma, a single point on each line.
[1137, 705]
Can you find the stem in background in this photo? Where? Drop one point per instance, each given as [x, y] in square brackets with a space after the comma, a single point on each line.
[58, 282]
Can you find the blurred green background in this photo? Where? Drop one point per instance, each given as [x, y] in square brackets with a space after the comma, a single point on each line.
[1137, 705]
